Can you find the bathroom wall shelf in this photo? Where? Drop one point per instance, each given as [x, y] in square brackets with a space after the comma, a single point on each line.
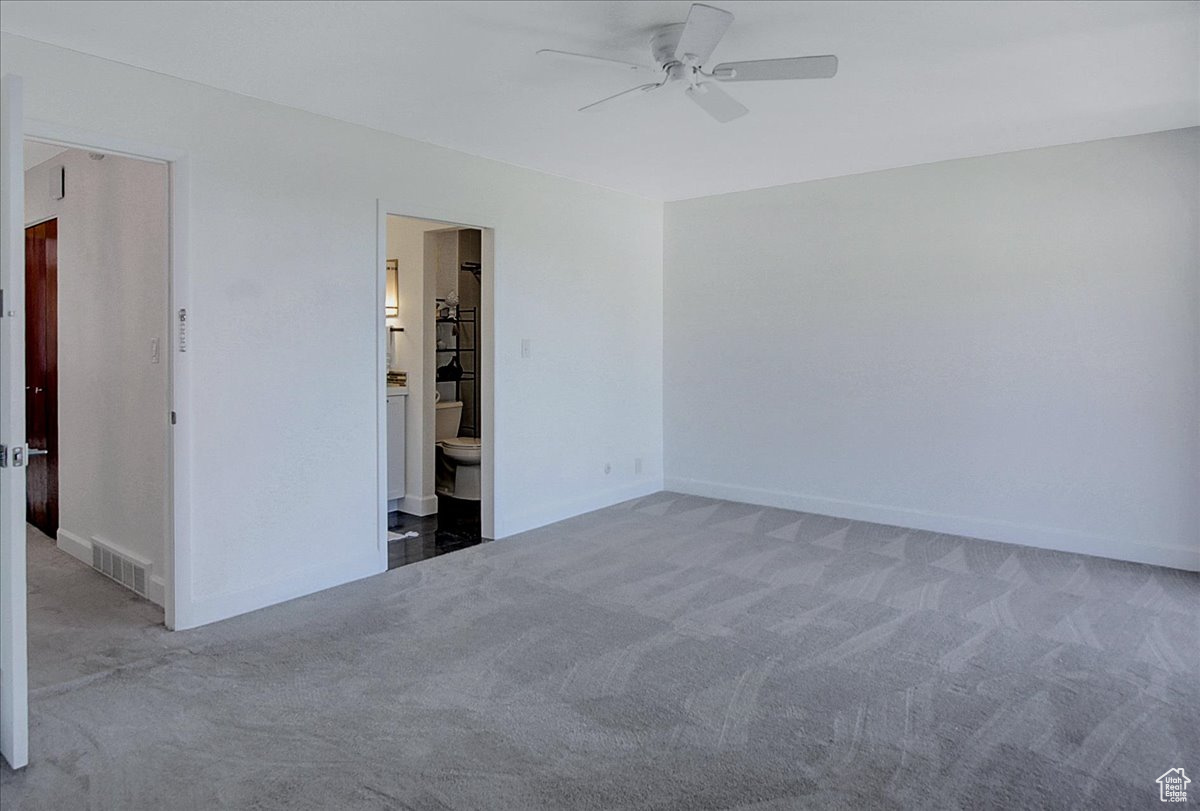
[467, 322]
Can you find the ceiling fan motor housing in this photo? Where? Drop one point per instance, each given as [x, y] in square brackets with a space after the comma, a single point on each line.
[664, 43]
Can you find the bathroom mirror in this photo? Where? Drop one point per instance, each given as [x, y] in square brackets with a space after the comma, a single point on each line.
[391, 296]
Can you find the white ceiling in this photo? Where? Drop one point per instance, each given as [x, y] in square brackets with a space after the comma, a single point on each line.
[918, 82]
[37, 152]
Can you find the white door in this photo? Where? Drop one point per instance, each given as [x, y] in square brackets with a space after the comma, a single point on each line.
[14, 675]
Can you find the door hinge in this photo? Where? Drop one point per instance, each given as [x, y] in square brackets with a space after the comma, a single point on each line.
[182, 340]
[172, 417]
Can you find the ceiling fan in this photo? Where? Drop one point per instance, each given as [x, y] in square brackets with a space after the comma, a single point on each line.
[680, 52]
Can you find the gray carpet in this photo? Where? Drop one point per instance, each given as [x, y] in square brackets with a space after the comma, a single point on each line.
[671, 652]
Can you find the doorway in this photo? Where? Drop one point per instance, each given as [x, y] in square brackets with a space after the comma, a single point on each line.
[437, 358]
[97, 387]
[41, 376]
[177, 602]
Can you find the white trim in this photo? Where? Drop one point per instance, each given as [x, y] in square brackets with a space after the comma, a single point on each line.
[176, 577]
[418, 505]
[73, 545]
[486, 382]
[416, 209]
[381, 370]
[75, 138]
[81, 549]
[562, 510]
[990, 529]
[177, 571]
[156, 590]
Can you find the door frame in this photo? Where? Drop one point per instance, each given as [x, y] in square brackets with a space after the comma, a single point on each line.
[487, 366]
[177, 577]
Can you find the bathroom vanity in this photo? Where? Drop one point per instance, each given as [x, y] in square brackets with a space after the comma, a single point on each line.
[397, 401]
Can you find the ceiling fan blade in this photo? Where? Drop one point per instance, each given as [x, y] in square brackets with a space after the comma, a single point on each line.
[716, 102]
[606, 100]
[800, 67]
[703, 30]
[602, 60]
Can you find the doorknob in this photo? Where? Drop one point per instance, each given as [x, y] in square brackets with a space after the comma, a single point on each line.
[37, 452]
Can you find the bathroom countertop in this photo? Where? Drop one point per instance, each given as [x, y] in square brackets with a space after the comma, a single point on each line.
[394, 390]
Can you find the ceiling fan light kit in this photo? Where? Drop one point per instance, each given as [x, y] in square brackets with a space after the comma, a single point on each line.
[681, 50]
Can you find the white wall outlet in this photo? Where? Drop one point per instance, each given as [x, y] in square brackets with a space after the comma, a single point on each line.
[154, 350]
[607, 468]
[526, 348]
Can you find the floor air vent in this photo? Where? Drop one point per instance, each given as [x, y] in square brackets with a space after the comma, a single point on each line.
[128, 573]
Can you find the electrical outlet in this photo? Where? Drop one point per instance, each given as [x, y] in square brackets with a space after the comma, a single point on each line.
[637, 465]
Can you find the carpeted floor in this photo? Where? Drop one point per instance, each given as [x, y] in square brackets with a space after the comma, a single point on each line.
[671, 652]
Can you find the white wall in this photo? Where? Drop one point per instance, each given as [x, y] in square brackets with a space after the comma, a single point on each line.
[112, 302]
[406, 244]
[447, 264]
[1005, 347]
[446, 261]
[282, 344]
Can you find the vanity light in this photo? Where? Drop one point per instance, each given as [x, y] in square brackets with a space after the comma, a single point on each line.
[391, 297]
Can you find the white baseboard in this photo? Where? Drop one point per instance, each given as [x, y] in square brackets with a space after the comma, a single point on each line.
[549, 513]
[213, 608]
[156, 590]
[989, 529]
[74, 546]
[81, 549]
[419, 505]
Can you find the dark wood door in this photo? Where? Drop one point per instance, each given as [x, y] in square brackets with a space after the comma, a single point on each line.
[41, 374]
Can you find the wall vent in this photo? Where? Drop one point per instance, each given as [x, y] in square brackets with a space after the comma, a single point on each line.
[121, 568]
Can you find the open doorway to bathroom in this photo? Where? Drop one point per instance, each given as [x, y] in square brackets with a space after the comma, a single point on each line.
[437, 339]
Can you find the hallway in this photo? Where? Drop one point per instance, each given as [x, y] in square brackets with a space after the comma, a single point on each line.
[81, 624]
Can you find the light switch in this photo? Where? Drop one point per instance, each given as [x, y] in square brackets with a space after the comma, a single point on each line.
[58, 183]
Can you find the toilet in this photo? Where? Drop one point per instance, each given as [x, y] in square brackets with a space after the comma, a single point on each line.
[458, 457]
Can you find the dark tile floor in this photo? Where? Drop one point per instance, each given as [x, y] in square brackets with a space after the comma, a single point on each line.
[455, 526]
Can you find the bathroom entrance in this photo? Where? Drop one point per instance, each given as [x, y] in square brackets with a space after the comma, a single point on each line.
[437, 361]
